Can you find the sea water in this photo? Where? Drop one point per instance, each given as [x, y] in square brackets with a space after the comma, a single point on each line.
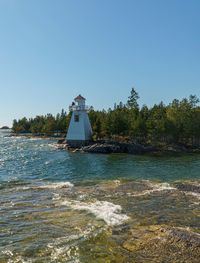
[60, 206]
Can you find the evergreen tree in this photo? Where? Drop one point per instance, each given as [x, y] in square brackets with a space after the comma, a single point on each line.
[132, 100]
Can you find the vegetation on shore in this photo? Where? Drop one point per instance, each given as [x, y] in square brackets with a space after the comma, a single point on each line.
[178, 122]
[47, 125]
[4, 128]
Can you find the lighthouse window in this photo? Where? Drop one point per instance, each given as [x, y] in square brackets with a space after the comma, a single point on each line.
[76, 118]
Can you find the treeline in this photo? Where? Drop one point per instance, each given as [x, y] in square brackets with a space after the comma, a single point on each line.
[47, 125]
[178, 122]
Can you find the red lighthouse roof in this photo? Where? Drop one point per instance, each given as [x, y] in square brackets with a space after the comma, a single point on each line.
[79, 97]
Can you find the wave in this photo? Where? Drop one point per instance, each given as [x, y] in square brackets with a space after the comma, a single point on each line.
[104, 210]
[36, 139]
[162, 187]
[18, 259]
[66, 246]
[57, 185]
[155, 188]
[65, 250]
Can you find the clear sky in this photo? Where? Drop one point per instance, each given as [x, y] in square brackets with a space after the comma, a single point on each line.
[52, 50]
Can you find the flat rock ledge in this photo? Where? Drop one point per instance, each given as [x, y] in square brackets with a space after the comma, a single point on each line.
[161, 243]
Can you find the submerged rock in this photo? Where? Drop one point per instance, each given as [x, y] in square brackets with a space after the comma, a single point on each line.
[133, 186]
[163, 244]
[184, 238]
[188, 187]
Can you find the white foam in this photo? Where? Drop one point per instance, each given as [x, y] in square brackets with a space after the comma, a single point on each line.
[36, 139]
[162, 187]
[19, 259]
[107, 211]
[117, 181]
[60, 251]
[66, 251]
[156, 188]
[50, 186]
[7, 252]
[57, 185]
[72, 251]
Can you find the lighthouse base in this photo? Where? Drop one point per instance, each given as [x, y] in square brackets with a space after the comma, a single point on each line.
[77, 143]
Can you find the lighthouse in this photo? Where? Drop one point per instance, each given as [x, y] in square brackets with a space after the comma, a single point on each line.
[79, 131]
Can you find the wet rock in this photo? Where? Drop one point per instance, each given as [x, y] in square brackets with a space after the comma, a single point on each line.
[176, 149]
[188, 187]
[114, 148]
[132, 186]
[61, 147]
[96, 148]
[151, 149]
[163, 244]
[183, 237]
[62, 141]
[77, 150]
[131, 148]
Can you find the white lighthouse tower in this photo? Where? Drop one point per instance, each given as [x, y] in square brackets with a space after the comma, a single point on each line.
[79, 131]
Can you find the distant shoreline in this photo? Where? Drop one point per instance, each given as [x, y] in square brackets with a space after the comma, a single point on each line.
[30, 136]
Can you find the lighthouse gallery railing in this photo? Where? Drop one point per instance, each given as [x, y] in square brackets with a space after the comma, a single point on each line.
[79, 108]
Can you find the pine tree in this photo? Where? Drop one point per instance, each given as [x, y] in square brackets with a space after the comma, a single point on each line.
[132, 100]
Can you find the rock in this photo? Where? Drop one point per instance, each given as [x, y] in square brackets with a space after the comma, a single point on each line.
[186, 238]
[163, 244]
[134, 148]
[77, 150]
[62, 141]
[132, 186]
[176, 149]
[114, 148]
[151, 149]
[97, 148]
[188, 187]
[62, 147]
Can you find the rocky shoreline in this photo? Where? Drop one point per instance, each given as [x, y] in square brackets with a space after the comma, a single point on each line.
[107, 147]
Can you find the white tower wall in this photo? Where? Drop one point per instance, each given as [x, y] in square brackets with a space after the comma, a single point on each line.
[79, 131]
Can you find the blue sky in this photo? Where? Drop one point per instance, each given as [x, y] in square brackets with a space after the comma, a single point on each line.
[52, 50]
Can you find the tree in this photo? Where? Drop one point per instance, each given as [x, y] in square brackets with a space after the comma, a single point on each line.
[193, 100]
[132, 100]
[139, 127]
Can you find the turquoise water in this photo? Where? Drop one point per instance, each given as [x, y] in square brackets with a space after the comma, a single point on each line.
[59, 206]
